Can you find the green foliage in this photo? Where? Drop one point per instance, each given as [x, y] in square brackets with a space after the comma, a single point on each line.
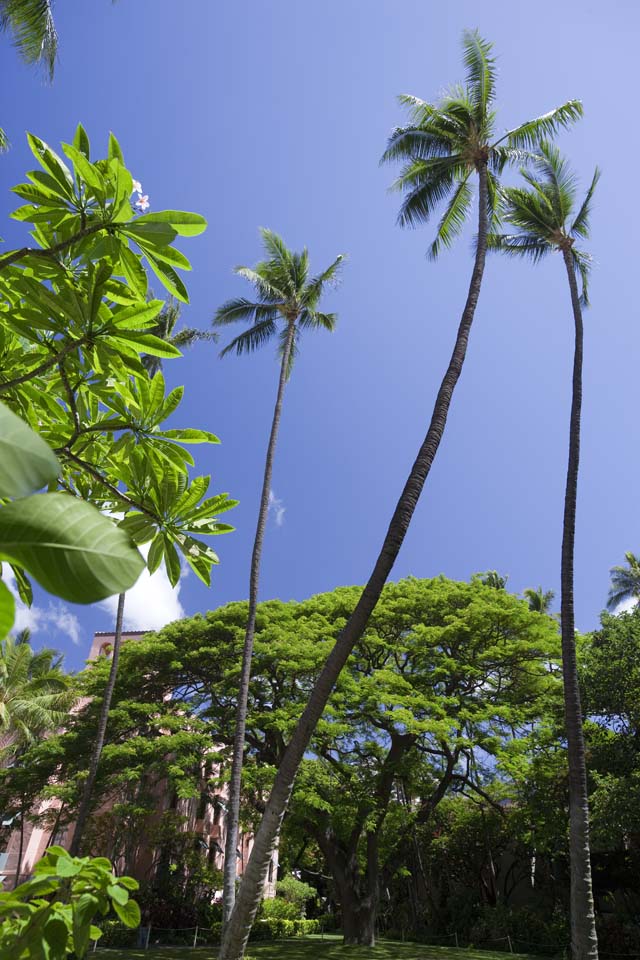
[625, 581]
[277, 929]
[33, 30]
[295, 892]
[76, 324]
[286, 292]
[52, 915]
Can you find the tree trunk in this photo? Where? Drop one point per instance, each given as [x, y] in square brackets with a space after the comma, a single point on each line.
[235, 782]
[239, 926]
[584, 941]
[16, 879]
[85, 803]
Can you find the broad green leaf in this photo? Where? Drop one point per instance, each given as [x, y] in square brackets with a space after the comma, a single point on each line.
[26, 462]
[171, 561]
[138, 315]
[147, 343]
[190, 435]
[184, 223]
[54, 932]
[114, 149]
[84, 911]
[52, 163]
[129, 913]
[118, 893]
[133, 270]
[86, 171]
[7, 610]
[167, 275]
[155, 234]
[81, 141]
[69, 547]
[23, 584]
[68, 867]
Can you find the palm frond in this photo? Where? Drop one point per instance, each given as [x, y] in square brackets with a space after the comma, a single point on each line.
[293, 353]
[417, 143]
[558, 178]
[234, 310]
[314, 289]
[453, 219]
[4, 141]
[33, 29]
[528, 134]
[481, 74]
[263, 284]
[314, 319]
[251, 339]
[518, 245]
[580, 226]
[582, 265]
[496, 202]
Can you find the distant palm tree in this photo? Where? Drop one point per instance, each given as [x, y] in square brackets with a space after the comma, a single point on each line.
[625, 582]
[34, 693]
[444, 147]
[539, 600]
[545, 217]
[165, 329]
[287, 306]
[31, 24]
[493, 579]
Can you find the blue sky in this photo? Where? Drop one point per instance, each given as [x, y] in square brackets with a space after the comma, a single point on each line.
[275, 114]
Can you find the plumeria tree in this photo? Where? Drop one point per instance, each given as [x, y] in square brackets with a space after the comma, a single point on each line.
[75, 322]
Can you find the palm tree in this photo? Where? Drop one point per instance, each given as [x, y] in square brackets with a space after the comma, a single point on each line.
[165, 329]
[444, 146]
[34, 693]
[545, 217]
[625, 582]
[34, 698]
[286, 306]
[34, 32]
[539, 600]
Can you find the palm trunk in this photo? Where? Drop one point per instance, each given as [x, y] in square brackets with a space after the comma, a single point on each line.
[584, 941]
[16, 879]
[239, 926]
[235, 782]
[87, 793]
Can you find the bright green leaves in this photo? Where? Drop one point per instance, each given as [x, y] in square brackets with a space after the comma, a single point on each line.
[26, 462]
[76, 325]
[83, 889]
[70, 548]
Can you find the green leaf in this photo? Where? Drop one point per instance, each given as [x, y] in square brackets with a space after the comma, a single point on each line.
[55, 934]
[114, 149]
[167, 275]
[133, 270]
[69, 547]
[7, 610]
[118, 893]
[156, 234]
[81, 141]
[190, 435]
[185, 224]
[129, 913]
[52, 163]
[68, 867]
[128, 883]
[26, 462]
[25, 592]
[172, 561]
[86, 171]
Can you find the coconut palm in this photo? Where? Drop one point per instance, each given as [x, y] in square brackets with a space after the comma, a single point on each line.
[539, 600]
[625, 582]
[31, 25]
[34, 693]
[286, 307]
[443, 147]
[544, 215]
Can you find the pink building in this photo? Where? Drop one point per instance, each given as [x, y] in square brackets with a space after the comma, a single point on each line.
[204, 817]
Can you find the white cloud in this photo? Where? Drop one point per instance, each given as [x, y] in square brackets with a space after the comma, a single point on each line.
[151, 603]
[36, 619]
[277, 508]
[626, 605]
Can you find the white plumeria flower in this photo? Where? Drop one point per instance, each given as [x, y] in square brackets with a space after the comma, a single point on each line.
[142, 203]
[136, 187]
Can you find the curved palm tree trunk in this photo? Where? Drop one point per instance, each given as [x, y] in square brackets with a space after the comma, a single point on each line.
[85, 804]
[584, 941]
[239, 926]
[235, 782]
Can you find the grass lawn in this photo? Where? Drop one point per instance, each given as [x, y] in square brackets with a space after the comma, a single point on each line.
[313, 948]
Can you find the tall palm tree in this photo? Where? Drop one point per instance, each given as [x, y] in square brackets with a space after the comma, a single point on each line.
[539, 600]
[544, 215]
[444, 146]
[286, 306]
[33, 29]
[625, 582]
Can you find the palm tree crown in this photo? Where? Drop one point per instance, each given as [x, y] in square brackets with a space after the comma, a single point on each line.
[34, 693]
[539, 600]
[445, 143]
[285, 293]
[165, 329]
[544, 213]
[625, 582]
[34, 31]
